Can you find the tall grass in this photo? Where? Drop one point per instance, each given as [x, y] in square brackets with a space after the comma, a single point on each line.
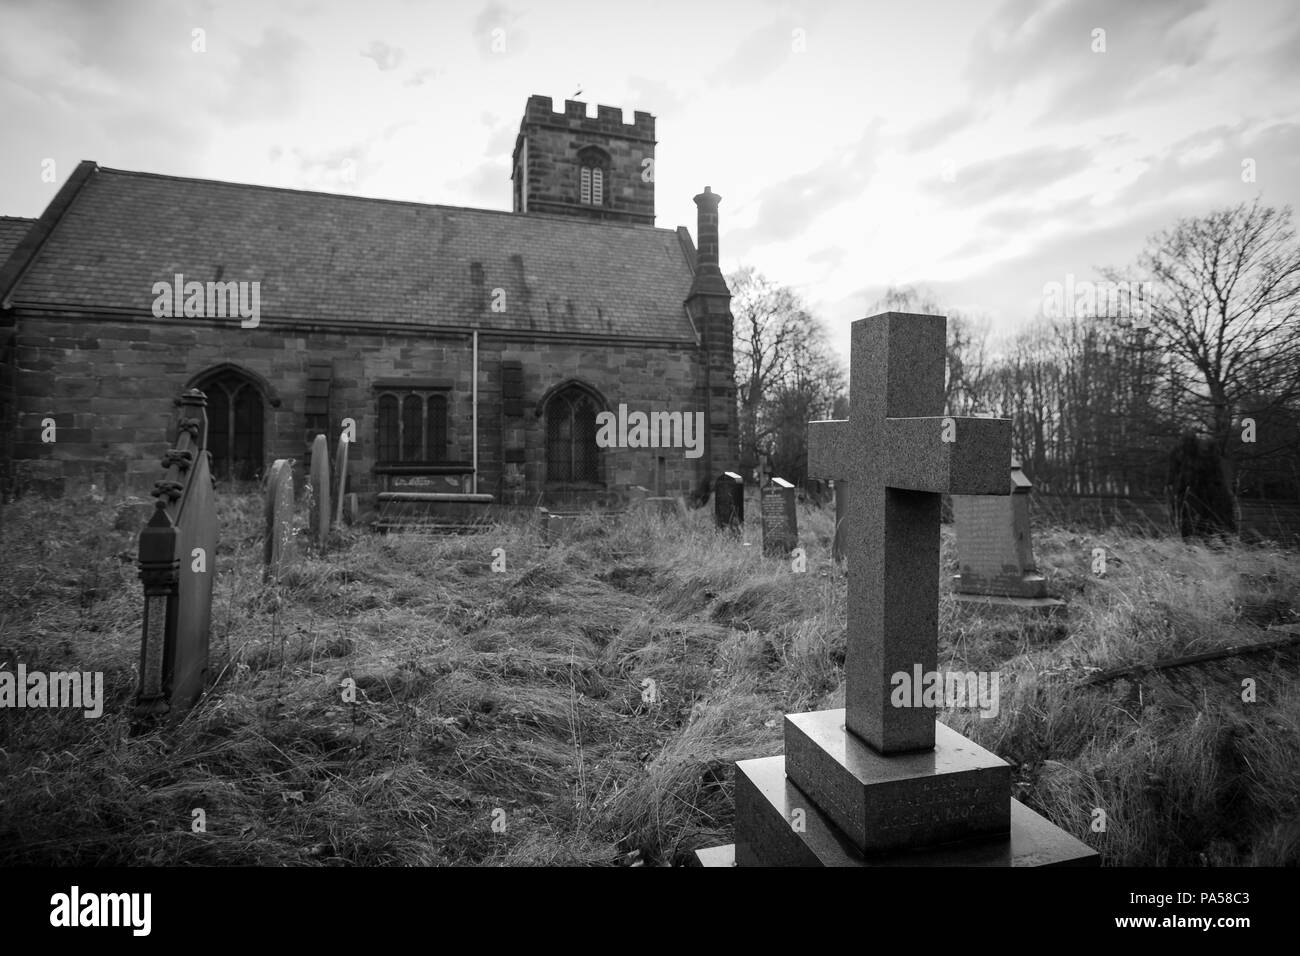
[523, 698]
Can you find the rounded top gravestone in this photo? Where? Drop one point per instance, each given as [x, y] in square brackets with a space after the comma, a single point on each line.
[279, 517]
[320, 488]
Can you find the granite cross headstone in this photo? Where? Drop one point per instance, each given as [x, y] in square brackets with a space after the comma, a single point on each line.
[320, 489]
[780, 521]
[882, 774]
[278, 519]
[901, 457]
[729, 500]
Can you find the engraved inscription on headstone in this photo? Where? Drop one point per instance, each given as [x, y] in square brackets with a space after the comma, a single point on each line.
[994, 550]
[780, 522]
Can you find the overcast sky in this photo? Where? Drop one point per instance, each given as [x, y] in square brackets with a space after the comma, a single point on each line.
[980, 148]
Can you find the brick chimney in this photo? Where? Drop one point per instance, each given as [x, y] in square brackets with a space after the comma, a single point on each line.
[708, 277]
[709, 306]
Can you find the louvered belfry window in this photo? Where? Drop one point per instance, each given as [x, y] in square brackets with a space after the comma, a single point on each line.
[591, 183]
[571, 453]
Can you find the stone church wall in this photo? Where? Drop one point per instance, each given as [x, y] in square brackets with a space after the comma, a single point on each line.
[109, 385]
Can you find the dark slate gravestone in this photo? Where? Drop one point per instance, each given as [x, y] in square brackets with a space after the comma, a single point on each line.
[995, 550]
[780, 522]
[878, 782]
[341, 466]
[178, 550]
[729, 500]
[319, 513]
[278, 542]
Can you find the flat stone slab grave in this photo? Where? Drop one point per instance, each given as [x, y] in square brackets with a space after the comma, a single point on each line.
[883, 776]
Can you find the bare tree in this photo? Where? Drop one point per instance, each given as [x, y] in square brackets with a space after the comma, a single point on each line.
[966, 346]
[1226, 312]
[786, 373]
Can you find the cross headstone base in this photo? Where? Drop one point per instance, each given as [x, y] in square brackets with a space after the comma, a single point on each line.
[768, 802]
[954, 791]
[833, 801]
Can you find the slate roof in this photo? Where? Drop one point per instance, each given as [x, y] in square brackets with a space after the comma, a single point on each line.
[12, 228]
[324, 256]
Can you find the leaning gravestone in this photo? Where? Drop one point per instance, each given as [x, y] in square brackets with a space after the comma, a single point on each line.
[178, 550]
[780, 522]
[341, 466]
[995, 551]
[278, 541]
[878, 782]
[320, 489]
[729, 500]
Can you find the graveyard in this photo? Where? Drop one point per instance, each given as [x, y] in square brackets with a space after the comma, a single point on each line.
[587, 703]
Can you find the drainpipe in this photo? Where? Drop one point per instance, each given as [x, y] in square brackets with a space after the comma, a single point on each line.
[473, 481]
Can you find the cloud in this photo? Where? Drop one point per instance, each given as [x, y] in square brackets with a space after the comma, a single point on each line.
[494, 29]
[1150, 49]
[386, 57]
[420, 77]
[264, 81]
[931, 134]
[790, 206]
[1013, 174]
[1195, 170]
[653, 96]
[759, 54]
[485, 187]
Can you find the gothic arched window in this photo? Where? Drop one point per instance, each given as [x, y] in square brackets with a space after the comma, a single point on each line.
[571, 453]
[235, 419]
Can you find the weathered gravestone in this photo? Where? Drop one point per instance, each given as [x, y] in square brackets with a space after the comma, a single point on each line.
[341, 466]
[780, 522]
[278, 542]
[178, 549]
[878, 782]
[729, 500]
[995, 551]
[319, 512]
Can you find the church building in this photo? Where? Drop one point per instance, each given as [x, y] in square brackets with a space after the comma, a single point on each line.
[518, 354]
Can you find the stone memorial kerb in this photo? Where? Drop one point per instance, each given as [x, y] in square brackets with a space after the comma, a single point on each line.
[901, 454]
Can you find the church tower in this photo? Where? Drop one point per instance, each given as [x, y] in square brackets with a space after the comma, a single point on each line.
[569, 165]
